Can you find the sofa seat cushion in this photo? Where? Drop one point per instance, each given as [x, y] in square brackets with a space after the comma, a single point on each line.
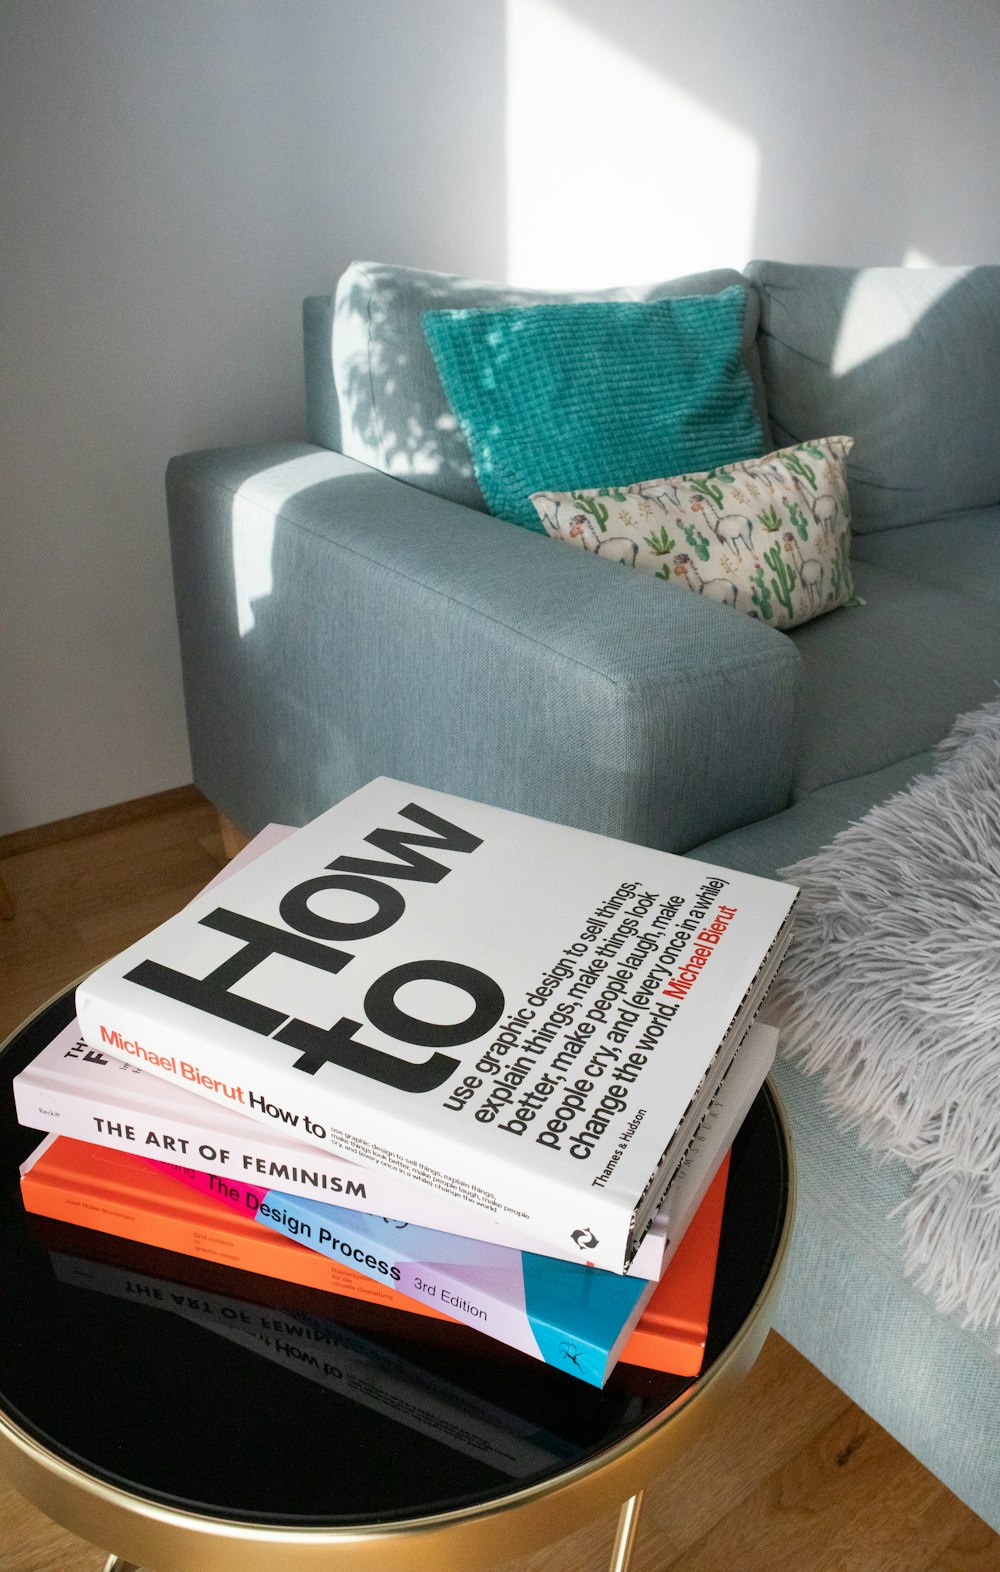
[885, 679]
[372, 389]
[811, 823]
[961, 552]
[901, 359]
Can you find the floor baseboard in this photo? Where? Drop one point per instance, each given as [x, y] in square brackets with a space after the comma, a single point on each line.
[98, 819]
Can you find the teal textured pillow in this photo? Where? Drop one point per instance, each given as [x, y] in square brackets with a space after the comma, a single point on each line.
[596, 393]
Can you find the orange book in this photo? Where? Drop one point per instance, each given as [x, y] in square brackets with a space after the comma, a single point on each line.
[98, 1187]
[115, 1193]
[671, 1332]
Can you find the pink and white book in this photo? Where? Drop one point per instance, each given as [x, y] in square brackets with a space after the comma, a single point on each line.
[71, 1089]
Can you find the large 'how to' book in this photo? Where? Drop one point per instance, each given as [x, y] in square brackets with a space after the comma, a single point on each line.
[529, 1019]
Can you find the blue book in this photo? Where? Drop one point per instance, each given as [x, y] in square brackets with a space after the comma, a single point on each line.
[575, 1317]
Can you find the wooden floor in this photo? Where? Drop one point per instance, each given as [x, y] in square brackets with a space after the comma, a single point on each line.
[802, 1481]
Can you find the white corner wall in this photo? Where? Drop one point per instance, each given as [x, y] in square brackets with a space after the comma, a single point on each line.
[176, 175]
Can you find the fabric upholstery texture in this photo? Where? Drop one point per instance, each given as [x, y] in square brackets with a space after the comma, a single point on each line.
[770, 537]
[389, 409]
[961, 552]
[811, 822]
[884, 680]
[846, 1303]
[322, 406]
[504, 637]
[901, 359]
[595, 393]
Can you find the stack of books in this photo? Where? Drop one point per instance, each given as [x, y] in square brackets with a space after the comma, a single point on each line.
[434, 1054]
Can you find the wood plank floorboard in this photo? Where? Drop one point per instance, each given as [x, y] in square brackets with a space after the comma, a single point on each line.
[803, 1482]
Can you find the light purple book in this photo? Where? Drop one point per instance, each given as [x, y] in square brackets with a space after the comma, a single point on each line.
[577, 1318]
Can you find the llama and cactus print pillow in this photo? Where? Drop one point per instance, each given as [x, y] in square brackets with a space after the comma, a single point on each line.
[769, 536]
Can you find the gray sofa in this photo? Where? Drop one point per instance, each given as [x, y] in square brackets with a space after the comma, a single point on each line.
[346, 609]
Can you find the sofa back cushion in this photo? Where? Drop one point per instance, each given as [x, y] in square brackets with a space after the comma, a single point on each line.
[904, 360]
[372, 388]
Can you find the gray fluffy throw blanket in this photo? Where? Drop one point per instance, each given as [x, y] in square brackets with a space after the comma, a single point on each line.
[891, 988]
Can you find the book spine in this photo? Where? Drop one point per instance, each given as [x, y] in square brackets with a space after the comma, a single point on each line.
[62, 1100]
[303, 1170]
[268, 1255]
[501, 1190]
[669, 1334]
[141, 1202]
[298, 1167]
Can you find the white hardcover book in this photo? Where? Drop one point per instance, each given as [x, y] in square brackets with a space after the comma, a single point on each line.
[528, 1019]
[72, 1089]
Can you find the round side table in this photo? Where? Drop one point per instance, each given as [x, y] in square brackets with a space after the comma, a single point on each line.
[197, 1418]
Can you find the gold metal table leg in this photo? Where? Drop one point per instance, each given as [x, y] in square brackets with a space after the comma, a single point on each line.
[628, 1528]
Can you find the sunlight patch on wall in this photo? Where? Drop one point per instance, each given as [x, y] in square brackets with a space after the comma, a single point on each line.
[913, 257]
[614, 174]
[876, 316]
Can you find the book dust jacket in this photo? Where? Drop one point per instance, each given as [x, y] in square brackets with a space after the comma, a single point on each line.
[527, 1018]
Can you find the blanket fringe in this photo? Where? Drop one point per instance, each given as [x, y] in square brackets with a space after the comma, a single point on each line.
[891, 991]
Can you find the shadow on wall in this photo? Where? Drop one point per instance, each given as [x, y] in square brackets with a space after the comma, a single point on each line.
[385, 372]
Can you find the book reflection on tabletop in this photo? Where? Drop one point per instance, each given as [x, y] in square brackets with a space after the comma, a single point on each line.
[358, 1369]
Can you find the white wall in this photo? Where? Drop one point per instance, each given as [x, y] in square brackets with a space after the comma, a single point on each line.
[657, 137]
[177, 174]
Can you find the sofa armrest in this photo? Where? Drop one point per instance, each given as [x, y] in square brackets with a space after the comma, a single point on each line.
[336, 624]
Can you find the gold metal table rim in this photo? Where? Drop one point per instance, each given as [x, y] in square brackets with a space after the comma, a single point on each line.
[465, 1539]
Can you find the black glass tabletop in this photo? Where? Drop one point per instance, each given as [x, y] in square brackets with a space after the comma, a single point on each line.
[200, 1386]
